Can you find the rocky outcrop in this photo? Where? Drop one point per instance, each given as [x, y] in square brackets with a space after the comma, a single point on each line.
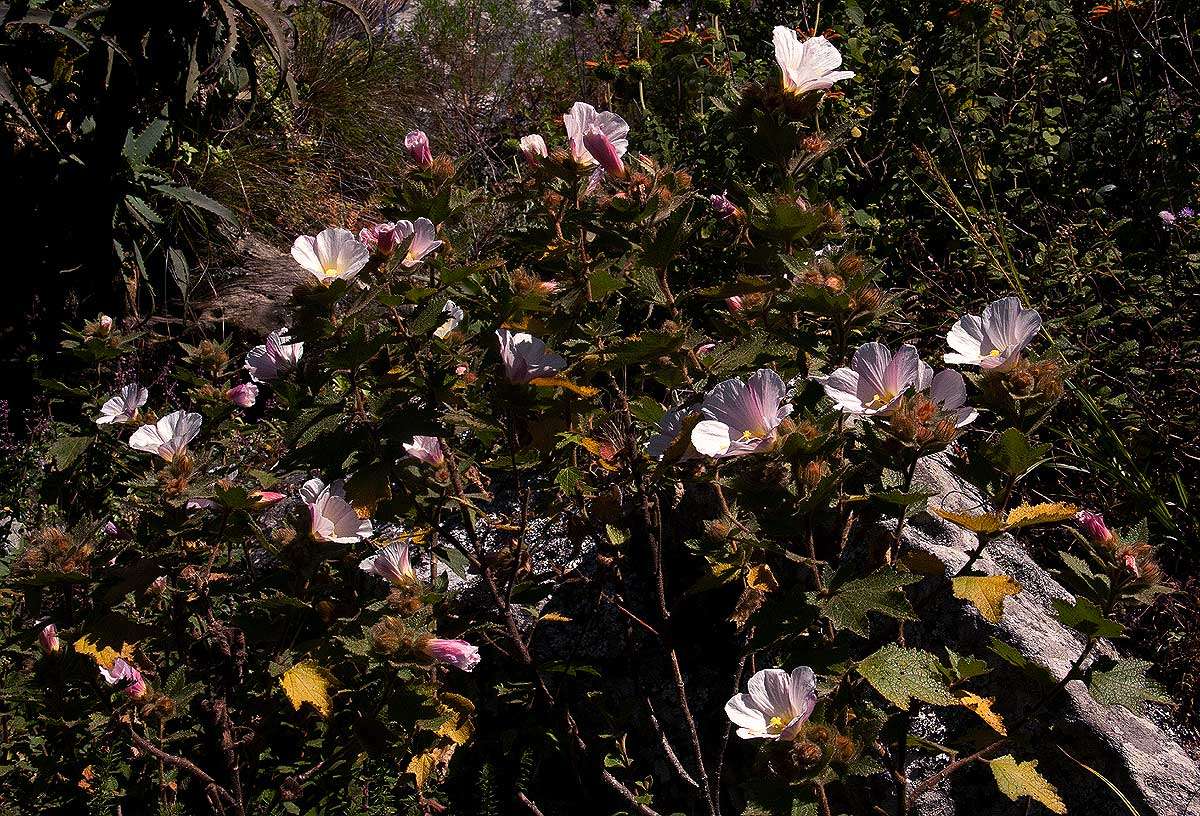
[1144, 759]
[253, 287]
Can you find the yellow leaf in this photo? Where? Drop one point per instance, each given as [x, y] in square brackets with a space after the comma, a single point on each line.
[987, 592]
[1049, 513]
[424, 764]
[308, 683]
[104, 655]
[563, 382]
[458, 726]
[760, 577]
[983, 707]
[985, 523]
[1017, 779]
[556, 617]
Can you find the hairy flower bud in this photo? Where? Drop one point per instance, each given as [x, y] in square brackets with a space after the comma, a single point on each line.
[243, 395]
[417, 144]
[603, 151]
[454, 652]
[1094, 528]
[48, 639]
[724, 207]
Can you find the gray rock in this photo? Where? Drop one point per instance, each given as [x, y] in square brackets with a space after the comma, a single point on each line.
[254, 287]
[1144, 760]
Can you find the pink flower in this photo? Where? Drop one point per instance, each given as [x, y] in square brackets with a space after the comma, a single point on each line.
[547, 288]
[1132, 566]
[456, 316]
[777, 705]
[741, 417]
[724, 207]
[278, 355]
[111, 529]
[391, 564]
[417, 144]
[995, 340]
[583, 119]
[265, 498]
[123, 672]
[807, 66]
[48, 639]
[1094, 527]
[331, 518]
[1167, 217]
[332, 254]
[876, 380]
[383, 237]
[169, 437]
[705, 348]
[603, 150]
[457, 653]
[533, 147]
[105, 324]
[525, 357]
[424, 240]
[735, 303]
[244, 395]
[427, 449]
[124, 406]
[669, 429]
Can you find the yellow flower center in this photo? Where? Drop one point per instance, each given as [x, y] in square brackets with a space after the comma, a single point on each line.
[776, 724]
[994, 353]
[880, 399]
[331, 271]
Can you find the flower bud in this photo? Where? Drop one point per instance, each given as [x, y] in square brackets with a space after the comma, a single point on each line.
[735, 303]
[104, 325]
[417, 144]
[381, 237]
[124, 672]
[48, 639]
[533, 148]
[244, 395]
[457, 653]
[725, 208]
[603, 151]
[1094, 528]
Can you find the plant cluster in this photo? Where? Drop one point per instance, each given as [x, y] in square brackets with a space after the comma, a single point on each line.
[507, 512]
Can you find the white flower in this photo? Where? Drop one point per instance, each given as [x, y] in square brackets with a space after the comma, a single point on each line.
[876, 380]
[427, 449]
[525, 357]
[777, 705]
[583, 117]
[124, 406]
[995, 340]
[533, 147]
[391, 563]
[949, 391]
[331, 516]
[741, 417]
[424, 240]
[277, 356]
[169, 437]
[333, 254]
[807, 66]
[670, 426]
[456, 316]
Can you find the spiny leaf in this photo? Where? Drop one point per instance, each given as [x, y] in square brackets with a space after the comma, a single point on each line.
[901, 674]
[987, 592]
[849, 603]
[1125, 683]
[1013, 453]
[1017, 779]
[975, 522]
[1049, 513]
[306, 682]
[983, 707]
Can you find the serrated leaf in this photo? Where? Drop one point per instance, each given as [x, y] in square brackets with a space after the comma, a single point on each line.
[981, 523]
[1048, 513]
[1085, 617]
[425, 764]
[138, 148]
[64, 452]
[849, 604]
[1125, 683]
[760, 577]
[986, 592]
[1017, 779]
[965, 668]
[1012, 453]
[459, 725]
[982, 706]
[306, 682]
[901, 675]
[563, 382]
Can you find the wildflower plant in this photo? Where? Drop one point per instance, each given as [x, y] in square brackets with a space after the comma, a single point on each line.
[573, 502]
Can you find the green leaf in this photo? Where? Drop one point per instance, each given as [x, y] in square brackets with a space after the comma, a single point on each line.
[646, 409]
[1085, 617]
[65, 451]
[848, 604]
[901, 675]
[1014, 454]
[965, 668]
[197, 199]
[138, 148]
[1017, 779]
[1124, 683]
